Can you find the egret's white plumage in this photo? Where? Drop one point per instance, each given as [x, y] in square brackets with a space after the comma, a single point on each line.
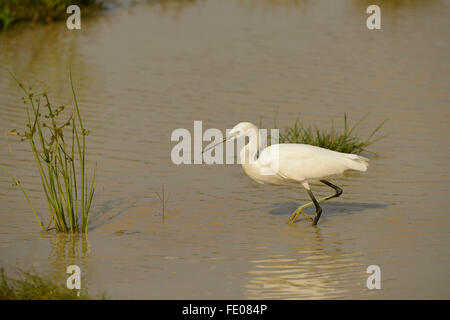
[293, 163]
[299, 162]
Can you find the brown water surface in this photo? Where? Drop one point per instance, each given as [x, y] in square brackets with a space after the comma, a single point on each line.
[150, 68]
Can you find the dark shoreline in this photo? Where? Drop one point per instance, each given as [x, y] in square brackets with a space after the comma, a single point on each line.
[13, 12]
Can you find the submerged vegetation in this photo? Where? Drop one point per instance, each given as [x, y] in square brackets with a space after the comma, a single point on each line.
[60, 160]
[12, 11]
[347, 141]
[30, 286]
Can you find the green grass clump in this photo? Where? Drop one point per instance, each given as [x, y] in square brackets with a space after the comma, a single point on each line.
[12, 11]
[33, 287]
[60, 161]
[347, 141]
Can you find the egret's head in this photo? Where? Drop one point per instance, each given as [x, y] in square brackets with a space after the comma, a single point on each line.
[241, 129]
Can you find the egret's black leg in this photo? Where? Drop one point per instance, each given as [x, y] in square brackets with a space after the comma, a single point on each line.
[318, 208]
[336, 188]
[315, 202]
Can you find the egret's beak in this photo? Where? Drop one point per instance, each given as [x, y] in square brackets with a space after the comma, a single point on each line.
[230, 137]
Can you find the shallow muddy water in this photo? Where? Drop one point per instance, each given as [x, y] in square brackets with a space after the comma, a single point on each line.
[144, 70]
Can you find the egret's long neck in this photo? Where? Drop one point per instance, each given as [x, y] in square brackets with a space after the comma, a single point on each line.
[249, 152]
[248, 155]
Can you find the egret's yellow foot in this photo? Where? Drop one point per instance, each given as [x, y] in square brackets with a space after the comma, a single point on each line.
[293, 217]
[306, 216]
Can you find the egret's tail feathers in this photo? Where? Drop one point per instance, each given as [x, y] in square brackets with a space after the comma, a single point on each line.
[358, 163]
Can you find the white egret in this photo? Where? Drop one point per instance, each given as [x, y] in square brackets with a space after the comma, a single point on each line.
[289, 163]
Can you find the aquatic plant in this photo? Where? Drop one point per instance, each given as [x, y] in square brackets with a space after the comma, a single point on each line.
[347, 141]
[162, 198]
[58, 158]
[30, 286]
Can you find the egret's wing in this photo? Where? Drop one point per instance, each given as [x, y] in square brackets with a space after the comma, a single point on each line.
[300, 162]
